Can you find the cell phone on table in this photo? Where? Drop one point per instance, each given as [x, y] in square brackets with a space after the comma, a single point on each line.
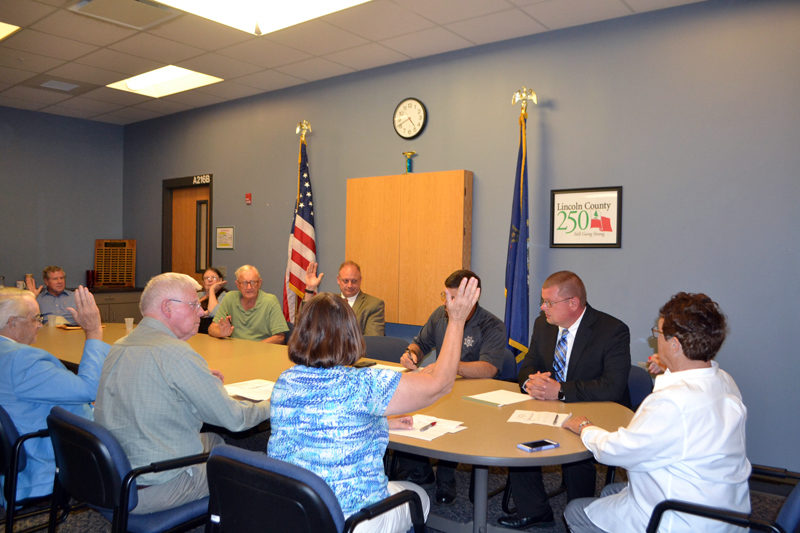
[537, 445]
[362, 363]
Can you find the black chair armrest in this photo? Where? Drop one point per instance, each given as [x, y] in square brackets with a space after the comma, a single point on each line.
[159, 466]
[714, 513]
[396, 500]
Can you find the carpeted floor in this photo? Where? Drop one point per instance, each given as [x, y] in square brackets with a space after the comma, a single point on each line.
[765, 505]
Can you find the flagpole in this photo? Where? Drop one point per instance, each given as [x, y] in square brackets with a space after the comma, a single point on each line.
[517, 291]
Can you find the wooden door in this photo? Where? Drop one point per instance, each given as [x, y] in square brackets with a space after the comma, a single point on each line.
[190, 230]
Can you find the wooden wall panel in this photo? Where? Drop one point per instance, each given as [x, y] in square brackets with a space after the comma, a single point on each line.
[409, 232]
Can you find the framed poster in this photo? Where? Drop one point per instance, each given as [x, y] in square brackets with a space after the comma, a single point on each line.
[586, 218]
[225, 237]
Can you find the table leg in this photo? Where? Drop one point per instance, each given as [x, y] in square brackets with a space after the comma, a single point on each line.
[480, 507]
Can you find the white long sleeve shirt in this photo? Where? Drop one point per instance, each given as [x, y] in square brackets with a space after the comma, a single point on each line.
[685, 442]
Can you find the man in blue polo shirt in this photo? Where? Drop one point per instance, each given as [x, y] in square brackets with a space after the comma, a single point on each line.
[53, 297]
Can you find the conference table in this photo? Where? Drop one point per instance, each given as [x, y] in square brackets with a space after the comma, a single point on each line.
[489, 440]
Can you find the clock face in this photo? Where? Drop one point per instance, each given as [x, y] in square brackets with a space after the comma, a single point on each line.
[409, 118]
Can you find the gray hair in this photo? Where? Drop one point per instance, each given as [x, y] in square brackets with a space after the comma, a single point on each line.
[243, 268]
[164, 286]
[12, 303]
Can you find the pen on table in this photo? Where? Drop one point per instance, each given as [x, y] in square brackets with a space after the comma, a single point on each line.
[555, 419]
[426, 427]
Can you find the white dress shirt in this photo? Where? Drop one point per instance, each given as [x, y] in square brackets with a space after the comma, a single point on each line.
[685, 442]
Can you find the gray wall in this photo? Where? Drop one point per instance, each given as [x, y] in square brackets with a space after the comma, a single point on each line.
[692, 110]
[60, 189]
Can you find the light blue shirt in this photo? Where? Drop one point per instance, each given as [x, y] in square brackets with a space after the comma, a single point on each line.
[331, 421]
[50, 304]
[31, 383]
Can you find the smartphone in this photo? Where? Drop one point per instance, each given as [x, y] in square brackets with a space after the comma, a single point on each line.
[363, 363]
[537, 445]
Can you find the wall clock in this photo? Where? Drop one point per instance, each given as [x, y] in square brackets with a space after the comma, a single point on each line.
[409, 118]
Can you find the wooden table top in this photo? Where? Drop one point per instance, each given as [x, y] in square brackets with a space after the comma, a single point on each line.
[489, 439]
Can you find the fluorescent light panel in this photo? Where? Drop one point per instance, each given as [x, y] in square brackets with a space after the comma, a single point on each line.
[260, 17]
[164, 81]
[6, 30]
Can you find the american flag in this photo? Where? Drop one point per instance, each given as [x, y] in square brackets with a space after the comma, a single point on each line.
[302, 244]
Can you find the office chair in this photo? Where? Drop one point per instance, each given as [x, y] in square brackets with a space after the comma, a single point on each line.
[93, 468]
[252, 492]
[385, 348]
[788, 520]
[13, 460]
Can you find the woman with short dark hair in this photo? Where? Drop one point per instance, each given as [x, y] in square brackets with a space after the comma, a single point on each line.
[686, 440]
[331, 418]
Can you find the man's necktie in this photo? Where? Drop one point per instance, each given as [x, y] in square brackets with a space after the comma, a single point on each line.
[560, 358]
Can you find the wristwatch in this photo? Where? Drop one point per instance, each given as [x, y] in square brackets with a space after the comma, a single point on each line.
[561, 395]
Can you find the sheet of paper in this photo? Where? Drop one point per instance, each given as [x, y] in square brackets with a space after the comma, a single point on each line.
[545, 418]
[390, 367]
[499, 397]
[253, 389]
[442, 426]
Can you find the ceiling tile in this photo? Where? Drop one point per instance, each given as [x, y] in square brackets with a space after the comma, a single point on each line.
[444, 11]
[13, 76]
[87, 105]
[18, 103]
[193, 98]
[316, 38]
[377, 20]
[82, 28]
[315, 68]
[201, 33]
[368, 56]
[220, 66]
[39, 96]
[59, 109]
[114, 96]
[85, 73]
[118, 62]
[641, 6]
[127, 116]
[269, 80]
[47, 45]
[23, 12]
[229, 90]
[427, 42]
[162, 107]
[496, 27]
[27, 61]
[264, 53]
[156, 48]
[555, 14]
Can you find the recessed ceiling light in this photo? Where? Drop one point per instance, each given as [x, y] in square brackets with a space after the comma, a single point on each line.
[6, 30]
[260, 17]
[164, 81]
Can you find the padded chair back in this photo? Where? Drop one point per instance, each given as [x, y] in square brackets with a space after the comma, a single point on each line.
[385, 348]
[789, 516]
[8, 436]
[640, 384]
[250, 491]
[508, 372]
[91, 463]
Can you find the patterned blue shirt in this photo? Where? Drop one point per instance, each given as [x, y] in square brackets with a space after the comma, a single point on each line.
[331, 421]
[50, 304]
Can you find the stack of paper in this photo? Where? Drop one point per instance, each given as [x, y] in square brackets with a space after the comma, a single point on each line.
[499, 397]
[545, 418]
[254, 389]
[429, 427]
[390, 367]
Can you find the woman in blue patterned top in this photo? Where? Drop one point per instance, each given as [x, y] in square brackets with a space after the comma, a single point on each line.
[330, 418]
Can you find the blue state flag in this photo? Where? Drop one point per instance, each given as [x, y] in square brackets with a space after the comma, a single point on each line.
[517, 287]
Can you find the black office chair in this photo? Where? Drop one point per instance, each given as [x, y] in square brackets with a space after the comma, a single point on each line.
[13, 460]
[385, 348]
[788, 520]
[93, 468]
[252, 492]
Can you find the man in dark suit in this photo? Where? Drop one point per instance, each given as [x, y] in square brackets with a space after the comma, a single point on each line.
[576, 354]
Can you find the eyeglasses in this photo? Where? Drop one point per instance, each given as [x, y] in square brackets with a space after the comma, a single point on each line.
[548, 304]
[249, 283]
[194, 305]
[38, 318]
[211, 278]
[656, 332]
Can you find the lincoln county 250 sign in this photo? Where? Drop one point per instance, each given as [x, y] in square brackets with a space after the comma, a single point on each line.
[581, 218]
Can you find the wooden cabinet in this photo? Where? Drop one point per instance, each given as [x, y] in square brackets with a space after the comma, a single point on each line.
[408, 233]
[117, 306]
